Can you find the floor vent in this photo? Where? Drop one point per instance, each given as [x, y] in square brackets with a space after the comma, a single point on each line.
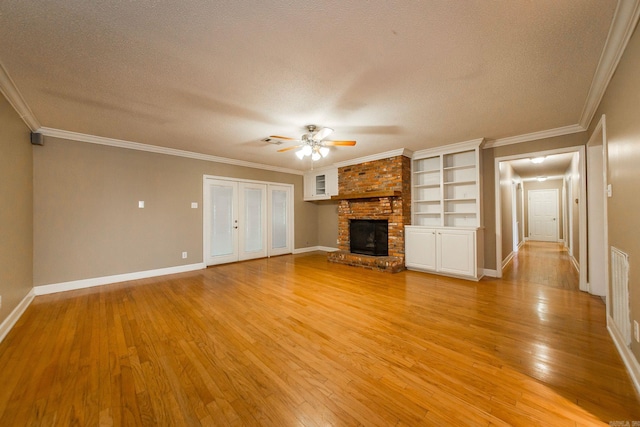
[620, 293]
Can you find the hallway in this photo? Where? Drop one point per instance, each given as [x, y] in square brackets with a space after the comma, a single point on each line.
[542, 263]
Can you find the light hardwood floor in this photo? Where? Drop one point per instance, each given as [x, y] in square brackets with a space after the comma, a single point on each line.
[295, 340]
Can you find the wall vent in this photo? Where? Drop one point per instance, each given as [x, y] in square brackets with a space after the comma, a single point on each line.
[620, 293]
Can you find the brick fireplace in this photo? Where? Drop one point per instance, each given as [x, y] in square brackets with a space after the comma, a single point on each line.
[376, 190]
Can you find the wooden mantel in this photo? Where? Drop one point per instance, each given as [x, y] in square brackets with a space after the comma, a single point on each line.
[367, 195]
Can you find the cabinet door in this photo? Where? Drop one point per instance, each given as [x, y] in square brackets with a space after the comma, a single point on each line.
[457, 252]
[332, 182]
[420, 248]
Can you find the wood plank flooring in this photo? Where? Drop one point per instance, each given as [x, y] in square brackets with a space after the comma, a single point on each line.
[542, 263]
[295, 340]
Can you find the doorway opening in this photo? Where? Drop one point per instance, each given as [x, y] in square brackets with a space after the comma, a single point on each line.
[547, 194]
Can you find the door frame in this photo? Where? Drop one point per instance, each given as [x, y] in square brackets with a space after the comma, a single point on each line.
[582, 206]
[557, 213]
[269, 184]
[594, 141]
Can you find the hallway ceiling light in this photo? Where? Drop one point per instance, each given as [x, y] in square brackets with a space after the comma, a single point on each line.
[537, 160]
[542, 178]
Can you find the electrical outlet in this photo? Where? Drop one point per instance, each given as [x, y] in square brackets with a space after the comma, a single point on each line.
[337, 241]
[184, 255]
[636, 331]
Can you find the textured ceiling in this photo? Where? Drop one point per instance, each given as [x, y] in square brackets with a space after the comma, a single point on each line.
[553, 166]
[217, 77]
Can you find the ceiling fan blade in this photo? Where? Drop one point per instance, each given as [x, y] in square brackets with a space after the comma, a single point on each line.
[339, 143]
[293, 147]
[322, 134]
[286, 138]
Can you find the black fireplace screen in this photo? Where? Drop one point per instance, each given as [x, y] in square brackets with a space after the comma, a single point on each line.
[369, 237]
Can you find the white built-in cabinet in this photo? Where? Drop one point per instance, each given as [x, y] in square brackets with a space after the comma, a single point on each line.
[451, 251]
[446, 235]
[321, 184]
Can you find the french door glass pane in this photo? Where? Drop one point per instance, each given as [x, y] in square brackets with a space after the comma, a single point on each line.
[221, 220]
[253, 220]
[278, 219]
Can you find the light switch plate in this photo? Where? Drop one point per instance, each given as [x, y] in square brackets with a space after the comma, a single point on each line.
[141, 204]
[194, 205]
[608, 190]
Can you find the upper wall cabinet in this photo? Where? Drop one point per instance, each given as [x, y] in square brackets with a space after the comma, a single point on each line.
[321, 184]
[446, 186]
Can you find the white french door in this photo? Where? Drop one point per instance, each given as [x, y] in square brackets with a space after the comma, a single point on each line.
[252, 229]
[221, 213]
[280, 236]
[245, 220]
[543, 215]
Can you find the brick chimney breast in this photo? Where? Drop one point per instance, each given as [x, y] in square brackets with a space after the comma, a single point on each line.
[390, 177]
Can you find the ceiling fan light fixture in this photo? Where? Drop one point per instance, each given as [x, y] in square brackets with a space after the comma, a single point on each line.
[322, 134]
[324, 151]
[316, 156]
[306, 150]
[300, 154]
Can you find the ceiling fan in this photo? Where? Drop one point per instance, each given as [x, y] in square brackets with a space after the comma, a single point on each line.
[313, 143]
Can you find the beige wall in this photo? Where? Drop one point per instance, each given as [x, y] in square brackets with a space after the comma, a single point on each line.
[328, 224]
[87, 220]
[621, 104]
[488, 181]
[16, 211]
[551, 184]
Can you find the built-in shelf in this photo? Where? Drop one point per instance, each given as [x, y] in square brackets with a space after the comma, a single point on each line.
[459, 167]
[446, 186]
[460, 200]
[460, 183]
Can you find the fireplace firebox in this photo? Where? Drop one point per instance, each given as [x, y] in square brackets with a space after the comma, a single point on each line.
[369, 237]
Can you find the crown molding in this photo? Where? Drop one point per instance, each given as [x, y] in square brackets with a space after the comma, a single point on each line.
[385, 155]
[458, 146]
[533, 136]
[93, 139]
[13, 95]
[624, 22]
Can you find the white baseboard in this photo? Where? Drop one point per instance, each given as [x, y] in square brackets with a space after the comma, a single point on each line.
[508, 259]
[575, 263]
[314, 248]
[629, 360]
[106, 280]
[11, 320]
[490, 273]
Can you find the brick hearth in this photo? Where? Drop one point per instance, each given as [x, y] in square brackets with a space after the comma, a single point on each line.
[379, 189]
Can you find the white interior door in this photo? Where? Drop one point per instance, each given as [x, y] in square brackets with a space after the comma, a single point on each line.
[543, 215]
[221, 221]
[252, 204]
[280, 236]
